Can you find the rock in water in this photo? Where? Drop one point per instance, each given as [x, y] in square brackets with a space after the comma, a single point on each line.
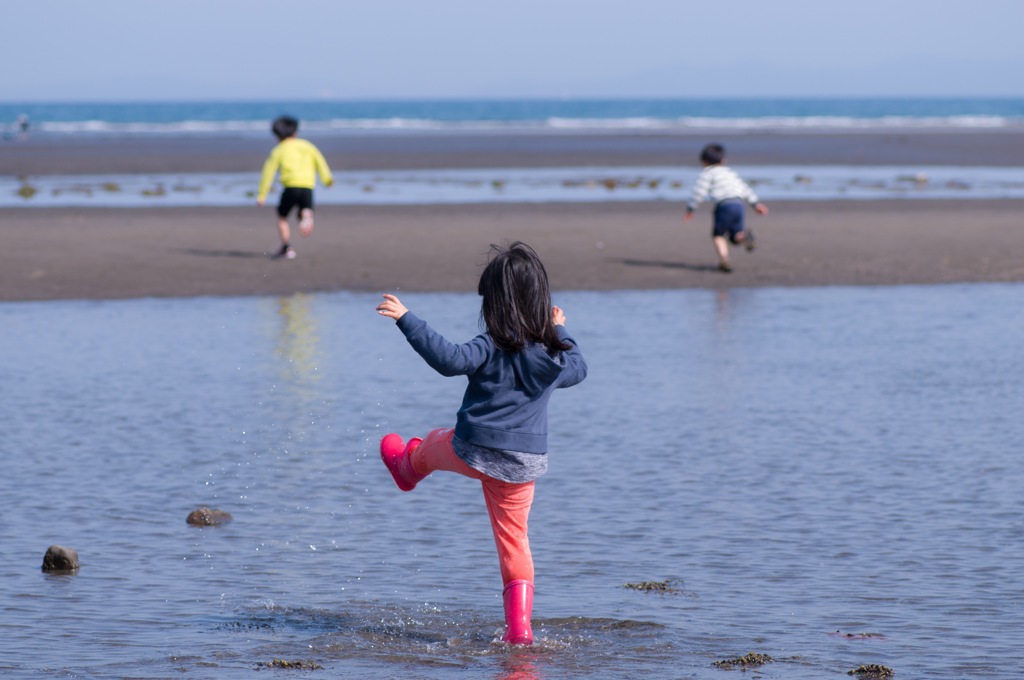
[60, 559]
[208, 517]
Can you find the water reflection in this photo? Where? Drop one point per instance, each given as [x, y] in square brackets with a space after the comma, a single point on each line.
[293, 339]
[791, 456]
[519, 665]
[298, 341]
[723, 310]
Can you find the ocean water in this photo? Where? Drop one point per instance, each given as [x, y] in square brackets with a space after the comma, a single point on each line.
[557, 116]
[828, 476]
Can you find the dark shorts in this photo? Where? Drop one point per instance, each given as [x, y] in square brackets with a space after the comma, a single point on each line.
[729, 216]
[294, 197]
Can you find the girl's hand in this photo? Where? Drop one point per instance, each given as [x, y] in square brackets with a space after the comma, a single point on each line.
[391, 307]
[557, 316]
[761, 209]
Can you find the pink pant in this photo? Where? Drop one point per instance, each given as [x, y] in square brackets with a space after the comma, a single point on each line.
[508, 504]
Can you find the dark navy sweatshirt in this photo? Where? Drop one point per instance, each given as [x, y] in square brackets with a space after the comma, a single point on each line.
[506, 402]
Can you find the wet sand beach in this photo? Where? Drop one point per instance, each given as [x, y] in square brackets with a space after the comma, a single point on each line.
[125, 253]
[91, 253]
[245, 153]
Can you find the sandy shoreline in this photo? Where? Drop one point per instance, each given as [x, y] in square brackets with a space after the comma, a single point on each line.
[129, 253]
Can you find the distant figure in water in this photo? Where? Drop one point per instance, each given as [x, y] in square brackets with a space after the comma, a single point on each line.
[500, 436]
[299, 162]
[722, 186]
[17, 131]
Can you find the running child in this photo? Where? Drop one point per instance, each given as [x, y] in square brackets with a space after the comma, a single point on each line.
[299, 162]
[722, 186]
[500, 433]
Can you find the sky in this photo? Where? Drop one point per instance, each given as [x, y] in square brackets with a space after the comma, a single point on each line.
[141, 50]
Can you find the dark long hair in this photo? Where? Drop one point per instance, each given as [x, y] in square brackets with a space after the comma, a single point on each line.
[516, 308]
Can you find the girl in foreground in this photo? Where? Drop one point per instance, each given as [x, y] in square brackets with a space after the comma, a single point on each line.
[500, 435]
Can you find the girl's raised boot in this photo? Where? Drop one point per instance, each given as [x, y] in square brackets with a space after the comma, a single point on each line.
[518, 599]
[395, 454]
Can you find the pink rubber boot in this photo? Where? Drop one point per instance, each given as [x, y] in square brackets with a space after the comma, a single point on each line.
[518, 599]
[395, 454]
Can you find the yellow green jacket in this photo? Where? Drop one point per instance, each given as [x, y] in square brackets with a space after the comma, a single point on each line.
[298, 161]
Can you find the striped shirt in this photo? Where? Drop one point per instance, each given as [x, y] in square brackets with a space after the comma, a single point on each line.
[719, 183]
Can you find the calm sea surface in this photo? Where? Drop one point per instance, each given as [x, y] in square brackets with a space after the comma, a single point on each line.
[829, 476]
[87, 119]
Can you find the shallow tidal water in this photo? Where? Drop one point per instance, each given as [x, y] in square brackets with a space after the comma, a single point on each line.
[523, 185]
[829, 476]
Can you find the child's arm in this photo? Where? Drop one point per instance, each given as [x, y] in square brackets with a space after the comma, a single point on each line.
[750, 197]
[575, 365]
[701, 188]
[267, 176]
[443, 356]
[323, 168]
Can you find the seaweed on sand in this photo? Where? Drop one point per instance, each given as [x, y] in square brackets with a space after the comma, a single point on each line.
[26, 190]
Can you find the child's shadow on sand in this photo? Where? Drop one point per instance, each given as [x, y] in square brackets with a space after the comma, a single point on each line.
[661, 264]
[224, 253]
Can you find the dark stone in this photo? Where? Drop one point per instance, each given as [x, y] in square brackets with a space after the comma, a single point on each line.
[208, 517]
[60, 559]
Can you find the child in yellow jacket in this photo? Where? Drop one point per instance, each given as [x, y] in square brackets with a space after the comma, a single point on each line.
[299, 162]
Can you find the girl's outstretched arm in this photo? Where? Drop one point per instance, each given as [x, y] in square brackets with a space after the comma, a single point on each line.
[391, 307]
[444, 357]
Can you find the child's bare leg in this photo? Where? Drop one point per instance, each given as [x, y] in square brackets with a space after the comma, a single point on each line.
[722, 250]
[306, 222]
[283, 230]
